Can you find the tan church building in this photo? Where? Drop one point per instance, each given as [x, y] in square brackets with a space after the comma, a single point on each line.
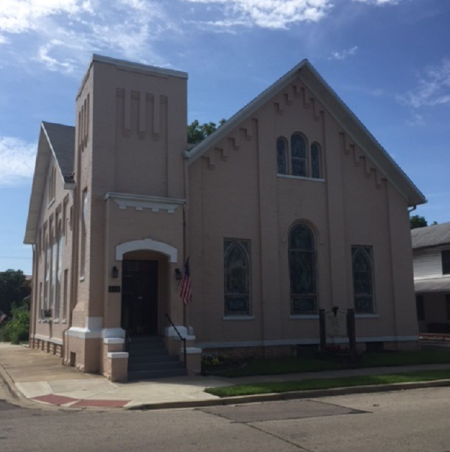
[289, 207]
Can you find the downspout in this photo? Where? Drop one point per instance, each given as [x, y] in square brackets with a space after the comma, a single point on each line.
[34, 299]
[185, 211]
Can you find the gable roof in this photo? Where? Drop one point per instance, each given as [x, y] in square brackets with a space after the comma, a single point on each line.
[62, 142]
[429, 236]
[57, 140]
[305, 72]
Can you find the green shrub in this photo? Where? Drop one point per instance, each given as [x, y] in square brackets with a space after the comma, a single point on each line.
[16, 329]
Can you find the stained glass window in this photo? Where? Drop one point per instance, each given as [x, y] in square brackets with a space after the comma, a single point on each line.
[302, 268]
[315, 161]
[237, 277]
[281, 156]
[298, 156]
[363, 279]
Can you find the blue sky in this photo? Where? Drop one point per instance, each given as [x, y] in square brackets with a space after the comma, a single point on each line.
[389, 60]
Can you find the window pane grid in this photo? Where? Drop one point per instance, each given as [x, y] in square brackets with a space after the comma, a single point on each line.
[362, 268]
[302, 269]
[237, 277]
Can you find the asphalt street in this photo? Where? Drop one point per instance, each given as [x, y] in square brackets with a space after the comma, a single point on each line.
[412, 421]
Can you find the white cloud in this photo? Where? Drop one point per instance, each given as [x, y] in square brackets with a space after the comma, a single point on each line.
[433, 87]
[18, 16]
[379, 2]
[63, 32]
[17, 159]
[272, 14]
[344, 54]
[416, 120]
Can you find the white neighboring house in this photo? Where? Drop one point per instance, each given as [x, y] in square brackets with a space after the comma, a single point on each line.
[431, 252]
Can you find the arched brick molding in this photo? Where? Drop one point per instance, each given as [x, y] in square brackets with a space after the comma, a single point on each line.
[147, 244]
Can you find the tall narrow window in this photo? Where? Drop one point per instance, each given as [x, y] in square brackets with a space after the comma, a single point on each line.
[84, 213]
[282, 156]
[58, 274]
[363, 293]
[65, 296]
[315, 161]
[299, 161]
[47, 272]
[302, 269]
[237, 277]
[40, 301]
[52, 276]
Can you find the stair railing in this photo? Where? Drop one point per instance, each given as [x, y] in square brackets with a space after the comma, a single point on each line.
[127, 341]
[183, 339]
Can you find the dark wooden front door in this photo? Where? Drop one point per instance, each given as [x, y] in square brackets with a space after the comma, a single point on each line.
[140, 297]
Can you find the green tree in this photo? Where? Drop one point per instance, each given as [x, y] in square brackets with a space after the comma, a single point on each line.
[16, 328]
[14, 287]
[197, 132]
[416, 221]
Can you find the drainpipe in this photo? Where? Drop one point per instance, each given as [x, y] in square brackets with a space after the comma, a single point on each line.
[185, 210]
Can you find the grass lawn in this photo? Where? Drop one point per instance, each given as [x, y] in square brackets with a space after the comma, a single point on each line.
[327, 383]
[277, 366]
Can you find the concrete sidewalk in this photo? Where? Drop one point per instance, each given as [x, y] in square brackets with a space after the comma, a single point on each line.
[35, 376]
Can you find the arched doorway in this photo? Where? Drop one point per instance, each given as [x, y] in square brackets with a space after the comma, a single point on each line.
[145, 267]
[140, 297]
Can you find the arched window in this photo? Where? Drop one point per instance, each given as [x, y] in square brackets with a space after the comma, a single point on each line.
[302, 269]
[316, 161]
[237, 277]
[299, 162]
[282, 156]
[362, 266]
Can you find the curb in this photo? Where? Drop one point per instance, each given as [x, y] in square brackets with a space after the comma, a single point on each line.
[16, 397]
[307, 394]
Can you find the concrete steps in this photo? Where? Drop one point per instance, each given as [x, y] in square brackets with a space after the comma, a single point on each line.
[148, 359]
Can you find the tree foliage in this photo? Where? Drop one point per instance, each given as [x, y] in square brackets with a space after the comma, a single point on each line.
[16, 328]
[197, 132]
[416, 221]
[14, 287]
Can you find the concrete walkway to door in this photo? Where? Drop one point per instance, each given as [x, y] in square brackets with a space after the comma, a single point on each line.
[35, 377]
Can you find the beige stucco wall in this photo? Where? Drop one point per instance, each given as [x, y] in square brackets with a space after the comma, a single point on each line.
[132, 146]
[130, 137]
[236, 193]
[55, 214]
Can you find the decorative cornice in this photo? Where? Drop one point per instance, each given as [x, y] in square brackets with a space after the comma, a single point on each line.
[140, 202]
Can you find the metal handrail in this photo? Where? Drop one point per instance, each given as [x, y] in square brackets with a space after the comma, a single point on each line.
[127, 341]
[181, 338]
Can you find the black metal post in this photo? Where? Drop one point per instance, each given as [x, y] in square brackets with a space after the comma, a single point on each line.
[323, 332]
[351, 331]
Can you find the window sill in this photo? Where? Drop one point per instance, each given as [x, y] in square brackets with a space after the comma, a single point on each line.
[366, 316]
[289, 176]
[238, 317]
[304, 317]
[50, 204]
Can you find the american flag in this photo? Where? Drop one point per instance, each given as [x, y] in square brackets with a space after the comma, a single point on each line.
[186, 292]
